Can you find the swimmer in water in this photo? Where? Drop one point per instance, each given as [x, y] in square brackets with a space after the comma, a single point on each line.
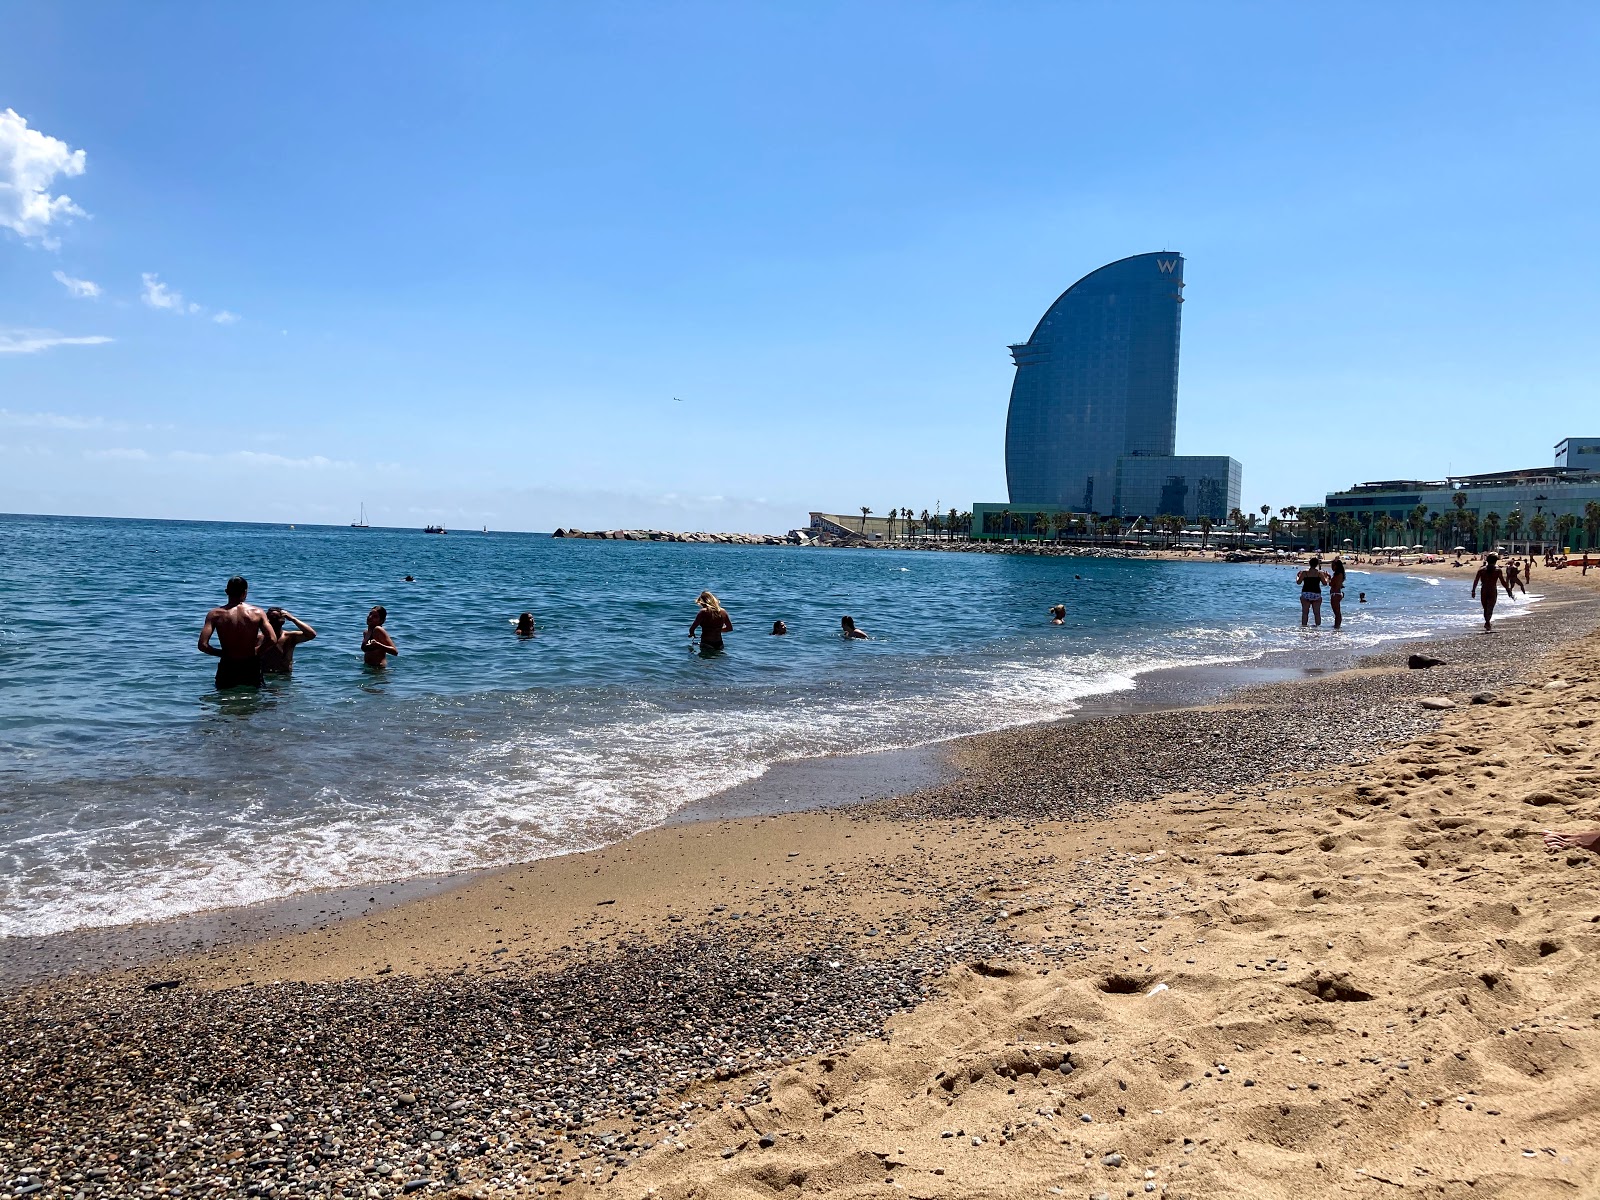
[712, 621]
[779, 629]
[242, 629]
[848, 630]
[1363, 598]
[1492, 580]
[1058, 615]
[376, 644]
[279, 659]
[525, 625]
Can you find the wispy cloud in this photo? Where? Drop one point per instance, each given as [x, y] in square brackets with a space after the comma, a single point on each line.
[83, 289]
[159, 295]
[120, 453]
[226, 318]
[256, 458]
[31, 341]
[29, 164]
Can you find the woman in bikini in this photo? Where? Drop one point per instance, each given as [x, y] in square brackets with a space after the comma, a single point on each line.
[712, 622]
[1336, 590]
[1311, 580]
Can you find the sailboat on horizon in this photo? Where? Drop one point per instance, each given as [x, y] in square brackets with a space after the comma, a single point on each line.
[361, 521]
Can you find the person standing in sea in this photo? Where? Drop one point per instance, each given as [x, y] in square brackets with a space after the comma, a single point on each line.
[1336, 590]
[243, 630]
[278, 659]
[1492, 581]
[712, 621]
[376, 644]
[1311, 580]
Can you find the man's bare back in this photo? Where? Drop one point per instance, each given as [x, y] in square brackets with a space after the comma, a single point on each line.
[241, 629]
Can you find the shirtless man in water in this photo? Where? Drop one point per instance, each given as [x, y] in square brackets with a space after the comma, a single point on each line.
[1490, 578]
[279, 659]
[243, 630]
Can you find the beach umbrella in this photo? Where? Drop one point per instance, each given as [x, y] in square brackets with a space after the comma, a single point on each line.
[1461, 550]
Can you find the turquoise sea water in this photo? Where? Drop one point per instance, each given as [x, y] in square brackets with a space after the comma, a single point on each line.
[129, 790]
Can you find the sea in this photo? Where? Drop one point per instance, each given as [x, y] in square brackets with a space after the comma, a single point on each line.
[131, 791]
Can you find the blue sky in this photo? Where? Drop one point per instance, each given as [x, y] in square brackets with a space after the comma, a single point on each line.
[456, 261]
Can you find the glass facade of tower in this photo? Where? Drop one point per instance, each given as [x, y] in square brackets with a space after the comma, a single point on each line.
[1097, 381]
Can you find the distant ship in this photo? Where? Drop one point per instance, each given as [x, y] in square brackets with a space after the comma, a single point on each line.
[434, 529]
[361, 521]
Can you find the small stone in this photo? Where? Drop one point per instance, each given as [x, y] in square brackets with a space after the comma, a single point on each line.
[414, 1185]
[1111, 1160]
[1085, 1118]
[1436, 703]
[767, 1141]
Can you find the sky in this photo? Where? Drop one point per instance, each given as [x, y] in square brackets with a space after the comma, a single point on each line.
[711, 266]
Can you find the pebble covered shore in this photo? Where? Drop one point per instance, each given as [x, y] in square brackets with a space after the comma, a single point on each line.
[519, 1077]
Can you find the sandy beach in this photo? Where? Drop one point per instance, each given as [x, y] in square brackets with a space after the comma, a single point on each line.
[1301, 941]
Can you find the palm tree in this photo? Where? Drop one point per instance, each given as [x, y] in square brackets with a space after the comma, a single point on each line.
[1565, 524]
[1005, 522]
[953, 518]
[1491, 527]
[1513, 527]
[924, 521]
[865, 513]
[891, 524]
[1113, 526]
[1591, 522]
[1274, 526]
[1538, 525]
[1266, 511]
[911, 529]
[1205, 529]
[1041, 523]
[1236, 519]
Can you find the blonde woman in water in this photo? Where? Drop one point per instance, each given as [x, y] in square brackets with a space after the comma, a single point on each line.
[712, 621]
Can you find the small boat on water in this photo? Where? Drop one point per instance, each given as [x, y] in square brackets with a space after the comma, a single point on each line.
[434, 529]
[361, 521]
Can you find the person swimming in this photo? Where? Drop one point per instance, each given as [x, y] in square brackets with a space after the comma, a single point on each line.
[848, 630]
[779, 629]
[279, 659]
[1058, 615]
[242, 629]
[376, 644]
[712, 621]
[525, 625]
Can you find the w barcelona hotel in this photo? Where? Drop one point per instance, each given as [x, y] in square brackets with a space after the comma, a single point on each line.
[1094, 408]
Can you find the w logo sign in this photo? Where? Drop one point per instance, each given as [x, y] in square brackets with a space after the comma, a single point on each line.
[1167, 265]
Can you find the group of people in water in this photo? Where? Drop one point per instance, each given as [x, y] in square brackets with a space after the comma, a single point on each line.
[712, 621]
[252, 643]
[1491, 578]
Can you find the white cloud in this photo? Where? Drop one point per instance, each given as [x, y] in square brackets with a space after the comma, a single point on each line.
[31, 341]
[256, 458]
[159, 295]
[83, 289]
[29, 164]
[123, 453]
[226, 318]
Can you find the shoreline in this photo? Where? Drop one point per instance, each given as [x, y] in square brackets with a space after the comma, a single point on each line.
[789, 786]
[674, 1011]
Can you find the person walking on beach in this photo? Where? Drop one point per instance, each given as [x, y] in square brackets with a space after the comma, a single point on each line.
[1336, 590]
[278, 659]
[1514, 580]
[1491, 579]
[376, 644]
[1311, 580]
[712, 621]
[848, 630]
[242, 629]
[1058, 615]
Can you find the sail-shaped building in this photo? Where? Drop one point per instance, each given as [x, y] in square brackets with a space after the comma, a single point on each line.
[1094, 406]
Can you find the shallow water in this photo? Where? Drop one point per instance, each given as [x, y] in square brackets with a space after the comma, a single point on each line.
[129, 790]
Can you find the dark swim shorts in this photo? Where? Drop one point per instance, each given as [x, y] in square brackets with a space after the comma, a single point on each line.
[238, 672]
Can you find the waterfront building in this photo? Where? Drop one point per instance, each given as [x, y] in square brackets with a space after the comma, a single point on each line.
[1487, 501]
[1092, 424]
